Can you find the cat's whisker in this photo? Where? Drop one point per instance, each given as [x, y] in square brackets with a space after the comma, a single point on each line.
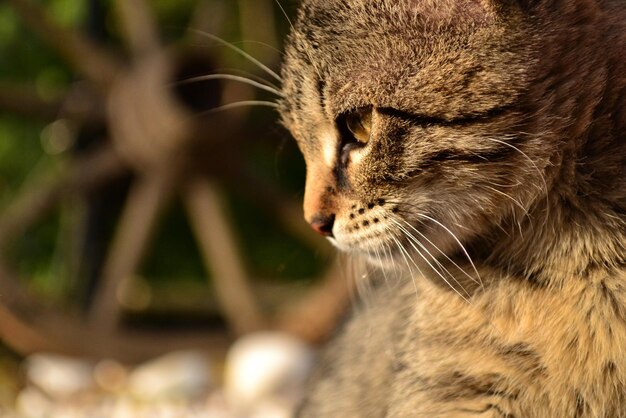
[232, 78]
[385, 267]
[234, 105]
[247, 74]
[447, 230]
[423, 236]
[386, 256]
[284, 12]
[358, 276]
[390, 259]
[532, 162]
[458, 241]
[516, 202]
[439, 273]
[361, 277]
[405, 254]
[389, 256]
[517, 183]
[265, 44]
[239, 51]
[380, 263]
[311, 60]
[412, 239]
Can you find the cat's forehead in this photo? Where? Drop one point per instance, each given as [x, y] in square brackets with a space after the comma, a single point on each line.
[392, 54]
[357, 16]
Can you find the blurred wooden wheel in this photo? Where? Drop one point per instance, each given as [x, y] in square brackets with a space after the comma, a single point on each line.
[153, 138]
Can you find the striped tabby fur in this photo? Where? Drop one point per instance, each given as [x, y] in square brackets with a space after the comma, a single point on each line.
[494, 177]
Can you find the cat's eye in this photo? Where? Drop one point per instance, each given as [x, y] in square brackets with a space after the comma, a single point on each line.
[359, 124]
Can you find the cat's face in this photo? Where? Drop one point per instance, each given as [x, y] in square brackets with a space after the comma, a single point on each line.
[412, 119]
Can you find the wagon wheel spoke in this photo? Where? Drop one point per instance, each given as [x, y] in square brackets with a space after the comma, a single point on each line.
[207, 16]
[314, 316]
[24, 100]
[139, 26]
[221, 255]
[252, 12]
[135, 227]
[50, 328]
[28, 327]
[95, 63]
[86, 173]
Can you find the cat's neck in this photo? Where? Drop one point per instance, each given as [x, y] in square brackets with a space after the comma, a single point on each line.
[551, 247]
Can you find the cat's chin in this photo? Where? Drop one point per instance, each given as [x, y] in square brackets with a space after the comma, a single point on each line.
[383, 257]
[398, 252]
[388, 263]
[377, 254]
[353, 248]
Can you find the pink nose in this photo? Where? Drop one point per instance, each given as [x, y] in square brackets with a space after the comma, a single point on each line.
[323, 225]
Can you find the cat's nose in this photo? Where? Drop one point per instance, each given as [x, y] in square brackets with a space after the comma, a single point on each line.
[323, 224]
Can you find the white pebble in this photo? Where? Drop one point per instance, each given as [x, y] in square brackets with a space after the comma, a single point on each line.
[59, 376]
[124, 409]
[265, 366]
[31, 403]
[216, 406]
[182, 374]
[110, 375]
[273, 408]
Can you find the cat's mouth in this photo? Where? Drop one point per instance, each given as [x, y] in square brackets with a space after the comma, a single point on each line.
[395, 244]
[374, 245]
[383, 252]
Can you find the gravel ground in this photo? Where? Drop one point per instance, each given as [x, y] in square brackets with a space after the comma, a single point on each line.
[262, 376]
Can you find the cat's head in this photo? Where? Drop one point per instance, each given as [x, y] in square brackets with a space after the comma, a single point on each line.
[416, 119]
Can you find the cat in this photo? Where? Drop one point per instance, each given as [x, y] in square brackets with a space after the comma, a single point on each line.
[479, 146]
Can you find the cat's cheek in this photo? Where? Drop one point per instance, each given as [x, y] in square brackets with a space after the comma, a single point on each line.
[363, 234]
[342, 241]
[356, 157]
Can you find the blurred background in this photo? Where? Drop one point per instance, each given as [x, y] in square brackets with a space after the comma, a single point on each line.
[150, 213]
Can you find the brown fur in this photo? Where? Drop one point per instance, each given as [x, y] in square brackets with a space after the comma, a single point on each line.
[499, 125]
